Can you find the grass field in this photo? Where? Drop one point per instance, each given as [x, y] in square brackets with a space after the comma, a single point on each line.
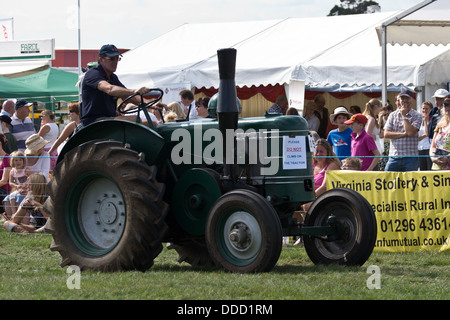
[30, 271]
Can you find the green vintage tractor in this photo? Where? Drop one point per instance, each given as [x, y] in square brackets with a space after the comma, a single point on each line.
[219, 191]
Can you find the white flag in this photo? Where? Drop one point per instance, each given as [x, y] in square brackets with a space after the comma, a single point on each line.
[6, 29]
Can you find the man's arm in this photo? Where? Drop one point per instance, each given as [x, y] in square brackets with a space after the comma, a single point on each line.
[394, 135]
[409, 128]
[121, 92]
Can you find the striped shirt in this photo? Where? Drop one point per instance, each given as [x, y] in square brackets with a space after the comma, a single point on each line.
[21, 130]
[406, 146]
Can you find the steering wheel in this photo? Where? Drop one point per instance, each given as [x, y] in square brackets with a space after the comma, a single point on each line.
[142, 105]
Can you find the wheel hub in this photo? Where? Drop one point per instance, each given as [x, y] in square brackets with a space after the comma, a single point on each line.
[240, 236]
[108, 212]
[102, 216]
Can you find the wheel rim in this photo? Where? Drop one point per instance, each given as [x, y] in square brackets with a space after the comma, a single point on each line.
[348, 222]
[99, 221]
[240, 237]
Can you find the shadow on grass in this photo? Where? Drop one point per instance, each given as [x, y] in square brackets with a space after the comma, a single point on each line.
[278, 269]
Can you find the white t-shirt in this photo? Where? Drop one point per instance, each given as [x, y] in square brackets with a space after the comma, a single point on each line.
[52, 135]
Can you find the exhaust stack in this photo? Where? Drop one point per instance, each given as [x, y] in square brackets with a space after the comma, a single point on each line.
[227, 109]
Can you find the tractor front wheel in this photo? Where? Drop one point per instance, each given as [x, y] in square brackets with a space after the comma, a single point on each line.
[243, 233]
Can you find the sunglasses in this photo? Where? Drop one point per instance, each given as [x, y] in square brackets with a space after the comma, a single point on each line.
[113, 58]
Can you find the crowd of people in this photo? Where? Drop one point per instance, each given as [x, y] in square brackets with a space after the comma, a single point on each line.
[380, 137]
[360, 141]
[349, 140]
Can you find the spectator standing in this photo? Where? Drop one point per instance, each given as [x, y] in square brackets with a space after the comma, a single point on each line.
[187, 102]
[441, 140]
[401, 128]
[340, 139]
[373, 127]
[424, 141]
[323, 115]
[49, 131]
[21, 125]
[11, 146]
[8, 108]
[310, 116]
[363, 144]
[280, 106]
[386, 110]
[355, 109]
[384, 115]
[74, 114]
[435, 113]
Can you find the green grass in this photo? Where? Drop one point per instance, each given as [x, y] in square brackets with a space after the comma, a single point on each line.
[29, 270]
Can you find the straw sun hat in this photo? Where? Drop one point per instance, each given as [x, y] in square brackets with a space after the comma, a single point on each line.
[34, 143]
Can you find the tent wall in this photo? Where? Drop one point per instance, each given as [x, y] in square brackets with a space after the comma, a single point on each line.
[256, 101]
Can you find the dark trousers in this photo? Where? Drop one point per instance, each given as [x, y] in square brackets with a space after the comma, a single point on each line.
[424, 162]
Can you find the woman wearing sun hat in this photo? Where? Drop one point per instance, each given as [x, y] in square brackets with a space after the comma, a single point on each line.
[38, 160]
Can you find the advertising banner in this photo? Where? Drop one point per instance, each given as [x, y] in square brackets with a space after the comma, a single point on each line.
[297, 95]
[27, 50]
[6, 29]
[172, 91]
[412, 208]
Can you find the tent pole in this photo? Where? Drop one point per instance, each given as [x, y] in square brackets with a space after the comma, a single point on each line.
[383, 65]
[79, 41]
[384, 39]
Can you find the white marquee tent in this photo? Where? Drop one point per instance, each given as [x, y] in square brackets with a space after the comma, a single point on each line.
[424, 24]
[328, 53]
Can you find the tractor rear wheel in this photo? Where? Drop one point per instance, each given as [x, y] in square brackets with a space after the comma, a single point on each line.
[356, 224]
[243, 233]
[106, 209]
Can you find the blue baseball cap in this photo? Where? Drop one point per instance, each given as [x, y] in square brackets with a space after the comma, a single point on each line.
[109, 50]
[407, 93]
[22, 103]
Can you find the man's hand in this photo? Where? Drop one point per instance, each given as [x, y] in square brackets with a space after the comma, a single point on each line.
[142, 91]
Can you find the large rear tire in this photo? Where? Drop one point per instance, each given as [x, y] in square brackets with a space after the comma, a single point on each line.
[356, 223]
[106, 209]
[243, 233]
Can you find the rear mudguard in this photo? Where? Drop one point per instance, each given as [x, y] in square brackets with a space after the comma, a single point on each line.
[128, 132]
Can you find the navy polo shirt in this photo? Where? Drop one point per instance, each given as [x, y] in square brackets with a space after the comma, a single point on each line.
[95, 103]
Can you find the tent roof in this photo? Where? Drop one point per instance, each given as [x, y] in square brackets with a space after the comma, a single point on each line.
[268, 51]
[324, 51]
[11, 88]
[60, 85]
[428, 25]
[356, 62]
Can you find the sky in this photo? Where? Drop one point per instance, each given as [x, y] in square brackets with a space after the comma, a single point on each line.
[131, 23]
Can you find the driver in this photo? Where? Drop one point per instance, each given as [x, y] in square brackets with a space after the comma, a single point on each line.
[101, 89]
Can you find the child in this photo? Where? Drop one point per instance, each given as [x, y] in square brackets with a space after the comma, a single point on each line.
[17, 180]
[363, 144]
[29, 218]
[340, 138]
[351, 164]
